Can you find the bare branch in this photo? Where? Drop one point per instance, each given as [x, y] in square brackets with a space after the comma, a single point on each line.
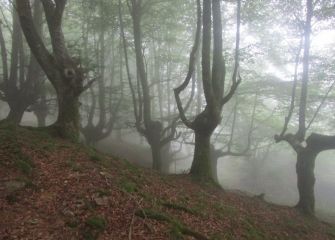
[321, 104]
[294, 87]
[233, 126]
[88, 85]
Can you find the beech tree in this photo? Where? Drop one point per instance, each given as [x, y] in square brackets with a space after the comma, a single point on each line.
[64, 71]
[102, 104]
[307, 147]
[153, 130]
[213, 81]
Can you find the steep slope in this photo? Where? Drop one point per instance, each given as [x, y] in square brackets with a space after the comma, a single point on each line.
[54, 189]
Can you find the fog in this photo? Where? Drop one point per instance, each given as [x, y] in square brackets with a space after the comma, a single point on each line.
[152, 88]
[274, 175]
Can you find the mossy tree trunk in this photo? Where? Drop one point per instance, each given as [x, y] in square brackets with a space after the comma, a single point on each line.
[68, 114]
[306, 180]
[201, 166]
[204, 126]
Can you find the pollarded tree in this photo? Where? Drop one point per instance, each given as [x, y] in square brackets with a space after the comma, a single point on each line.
[103, 107]
[307, 148]
[213, 79]
[64, 72]
[153, 130]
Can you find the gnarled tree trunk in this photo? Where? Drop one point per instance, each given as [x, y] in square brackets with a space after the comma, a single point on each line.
[64, 73]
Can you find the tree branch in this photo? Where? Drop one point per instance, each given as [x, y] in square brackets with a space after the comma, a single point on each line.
[236, 79]
[35, 43]
[88, 85]
[319, 142]
[192, 61]
[321, 104]
[294, 87]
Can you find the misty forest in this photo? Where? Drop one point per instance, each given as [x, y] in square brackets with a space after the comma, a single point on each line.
[167, 119]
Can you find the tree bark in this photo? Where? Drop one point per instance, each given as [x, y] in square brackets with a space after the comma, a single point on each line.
[306, 180]
[41, 118]
[16, 113]
[156, 157]
[67, 122]
[214, 166]
[201, 165]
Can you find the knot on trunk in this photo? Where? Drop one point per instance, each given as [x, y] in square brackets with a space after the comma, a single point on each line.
[69, 73]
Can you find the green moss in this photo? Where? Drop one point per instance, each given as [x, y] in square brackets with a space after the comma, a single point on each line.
[175, 233]
[94, 155]
[132, 168]
[73, 165]
[103, 192]
[180, 207]
[97, 223]
[176, 225]
[128, 186]
[220, 236]
[11, 198]
[331, 232]
[152, 214]
[72, 223]
[24, 166]
[252, 231]
[89, 236]
[94, 226]
[95, 158]
[223, 210]
[49, 146]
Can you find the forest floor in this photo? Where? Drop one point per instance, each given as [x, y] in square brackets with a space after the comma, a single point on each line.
[54, 189]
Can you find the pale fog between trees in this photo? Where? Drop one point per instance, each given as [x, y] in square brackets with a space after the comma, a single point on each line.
[242, 95]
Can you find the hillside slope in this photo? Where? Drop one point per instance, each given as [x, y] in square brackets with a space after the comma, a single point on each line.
[54, 189]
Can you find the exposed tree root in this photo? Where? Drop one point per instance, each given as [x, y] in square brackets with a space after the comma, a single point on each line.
[179, 207]
[147, 213]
